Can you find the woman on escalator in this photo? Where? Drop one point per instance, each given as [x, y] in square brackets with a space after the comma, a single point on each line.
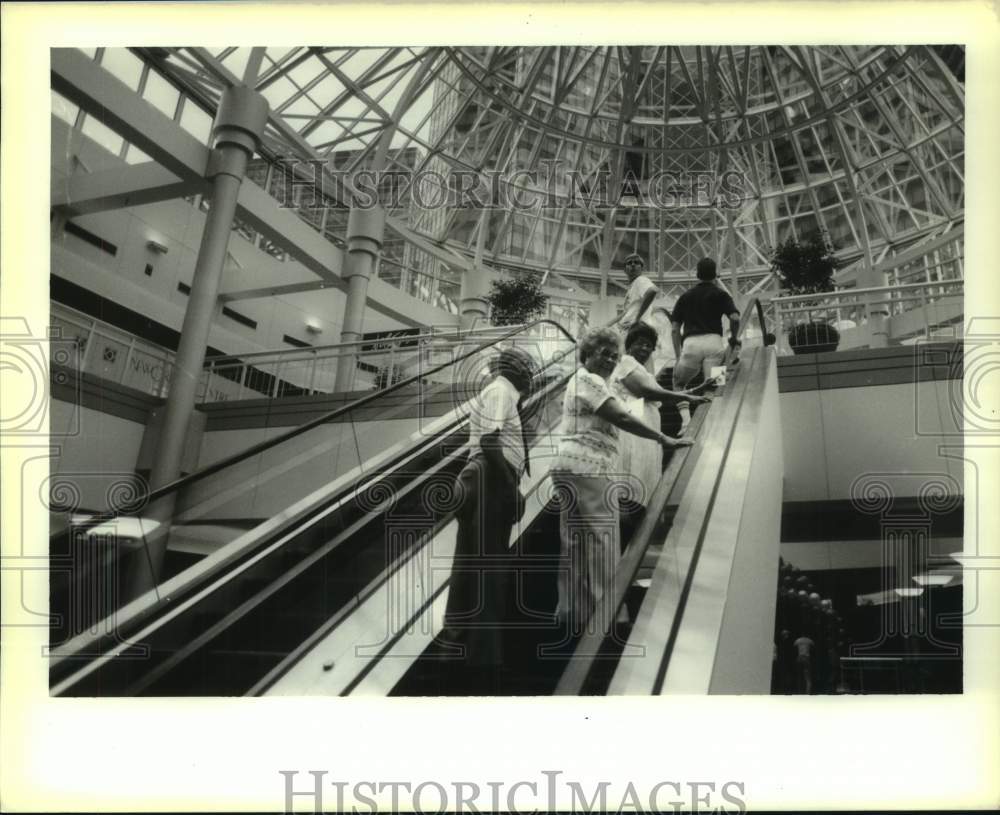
[588, 478]
[640, 395]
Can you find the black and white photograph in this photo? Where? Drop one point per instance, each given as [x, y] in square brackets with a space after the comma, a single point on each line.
[507, 370]
[505, 374]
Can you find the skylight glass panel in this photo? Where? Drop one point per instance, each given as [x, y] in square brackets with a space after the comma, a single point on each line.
[64, 109]
[305, 72]
[161, 94]
[237, 60]
[326, 132]
[135, 156]
[196, 122]
[103, 135]
[278, 92]
[123, 64]
[325, 91]
[303, 106]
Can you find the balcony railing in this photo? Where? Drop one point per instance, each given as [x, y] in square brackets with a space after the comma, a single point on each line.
[111, 353]
[914, 311]
[377, 364]
[117, 356]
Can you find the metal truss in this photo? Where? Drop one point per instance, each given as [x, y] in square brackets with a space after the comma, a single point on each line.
[697, 150]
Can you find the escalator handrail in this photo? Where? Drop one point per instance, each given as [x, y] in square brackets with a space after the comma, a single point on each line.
[180, 483]
[386, 575]
[432, 334]
[586, 651]
[128, 619]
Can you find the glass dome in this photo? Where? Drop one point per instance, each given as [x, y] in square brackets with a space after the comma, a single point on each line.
[563, 160]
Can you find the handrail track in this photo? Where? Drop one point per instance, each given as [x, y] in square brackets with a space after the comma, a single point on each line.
[146, 618]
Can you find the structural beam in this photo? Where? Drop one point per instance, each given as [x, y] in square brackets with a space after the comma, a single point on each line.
[919, 250]
[99, 93]
[273, 291]
[295, 139]
[128, 186]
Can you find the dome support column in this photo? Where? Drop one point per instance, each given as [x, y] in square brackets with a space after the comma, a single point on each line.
[238, 126]
[365, 233]
[474, 308]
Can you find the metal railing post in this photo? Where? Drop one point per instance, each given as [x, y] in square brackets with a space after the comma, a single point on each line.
[312, 373]
[128, 358]
[277, 380]
[166, 373]
[88, 344]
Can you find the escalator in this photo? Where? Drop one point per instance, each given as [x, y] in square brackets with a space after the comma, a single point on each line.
[220, 626]
[346, 596]
[689, 612]
[536, 649]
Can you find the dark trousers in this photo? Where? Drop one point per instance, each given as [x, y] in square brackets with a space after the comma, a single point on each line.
[480, 586]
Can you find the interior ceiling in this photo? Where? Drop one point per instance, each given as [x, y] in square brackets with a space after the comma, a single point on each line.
[866, 143]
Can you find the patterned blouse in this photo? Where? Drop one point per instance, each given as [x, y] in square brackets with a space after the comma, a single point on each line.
[588, 444]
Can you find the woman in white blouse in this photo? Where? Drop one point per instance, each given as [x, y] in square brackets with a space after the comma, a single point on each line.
[639, 393]
[584, 474]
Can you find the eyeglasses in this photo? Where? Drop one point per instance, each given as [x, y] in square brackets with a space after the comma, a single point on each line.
[609, 354]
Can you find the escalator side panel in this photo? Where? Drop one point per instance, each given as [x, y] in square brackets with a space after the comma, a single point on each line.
[654, 629]
[724, 644]
[412, 600]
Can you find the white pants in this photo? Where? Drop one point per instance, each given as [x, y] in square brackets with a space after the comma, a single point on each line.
[699, 353]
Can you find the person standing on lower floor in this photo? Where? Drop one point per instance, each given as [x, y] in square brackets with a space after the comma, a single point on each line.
[696, 324]
[490, 505]
[804, 664]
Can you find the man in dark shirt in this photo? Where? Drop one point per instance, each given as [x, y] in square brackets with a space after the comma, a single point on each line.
[696, 324]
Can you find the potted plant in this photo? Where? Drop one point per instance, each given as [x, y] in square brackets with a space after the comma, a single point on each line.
[516, 300]
[813, 338]
[808, 267]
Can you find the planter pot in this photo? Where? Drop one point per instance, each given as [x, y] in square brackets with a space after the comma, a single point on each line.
[813, 338]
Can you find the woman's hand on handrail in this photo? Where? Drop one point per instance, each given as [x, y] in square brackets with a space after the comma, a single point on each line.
[671, 443]
[612, 411]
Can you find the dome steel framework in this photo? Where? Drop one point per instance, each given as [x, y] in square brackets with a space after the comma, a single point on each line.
[589, 153]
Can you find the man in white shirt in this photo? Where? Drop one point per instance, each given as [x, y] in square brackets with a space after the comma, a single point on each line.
[491, 503]
[640, 295]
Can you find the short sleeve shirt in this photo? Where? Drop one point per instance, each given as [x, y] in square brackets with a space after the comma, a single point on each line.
[496, 409]
[626, 366]
[633, 299]
[700, 310]
[588, 444]
[804, 645]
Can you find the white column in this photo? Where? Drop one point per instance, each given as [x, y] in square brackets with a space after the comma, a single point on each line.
[365, 231]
